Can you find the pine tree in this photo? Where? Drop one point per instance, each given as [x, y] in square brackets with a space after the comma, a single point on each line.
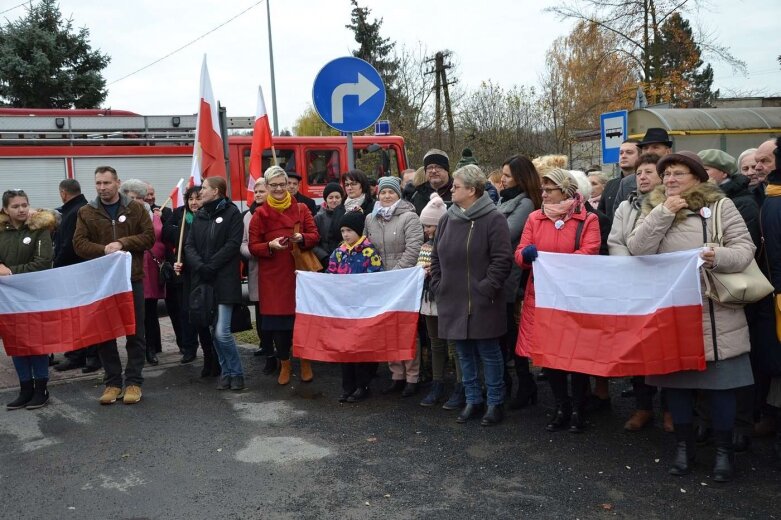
[378, 51]
[45, 63]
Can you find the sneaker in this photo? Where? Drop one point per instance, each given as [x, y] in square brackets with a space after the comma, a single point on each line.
[132, 394]
[110, 395]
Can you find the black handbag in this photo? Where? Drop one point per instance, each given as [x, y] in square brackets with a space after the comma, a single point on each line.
[240, 319]
[167, 274]
[202, 306]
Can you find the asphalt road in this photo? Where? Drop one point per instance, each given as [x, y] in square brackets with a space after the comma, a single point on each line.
[188, 451]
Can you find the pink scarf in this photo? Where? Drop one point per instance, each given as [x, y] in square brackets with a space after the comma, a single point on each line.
[563, 210]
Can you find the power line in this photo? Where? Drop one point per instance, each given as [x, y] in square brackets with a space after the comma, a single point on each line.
[15, 7]
[226, 22]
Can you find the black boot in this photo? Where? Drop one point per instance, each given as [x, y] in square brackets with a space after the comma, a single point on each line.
[740, 442]
[470, 411]
[560, 418]
[493, 415]
[685, 445]
[151, 356]
[723, 468]
[527, 392]
[410, 389]
[26, 390]
[577, 422]
[457, 398]
[396, 385]
[271, 365]
[40, 394]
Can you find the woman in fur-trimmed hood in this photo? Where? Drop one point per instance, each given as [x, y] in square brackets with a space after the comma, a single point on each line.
[678, 216]
[26, 247]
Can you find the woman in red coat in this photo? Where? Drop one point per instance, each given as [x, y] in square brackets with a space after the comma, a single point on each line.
[562, 225]
[271, 235]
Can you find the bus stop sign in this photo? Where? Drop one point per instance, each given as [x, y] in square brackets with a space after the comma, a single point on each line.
[613, 130]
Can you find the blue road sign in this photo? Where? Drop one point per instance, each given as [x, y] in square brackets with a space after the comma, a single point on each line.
[348, 94]
[613, 128]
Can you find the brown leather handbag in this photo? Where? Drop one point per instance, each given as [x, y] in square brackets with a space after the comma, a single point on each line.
[305, 260]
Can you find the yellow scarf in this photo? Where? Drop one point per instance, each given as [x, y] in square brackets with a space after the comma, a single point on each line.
[773, 190]
[280, 205]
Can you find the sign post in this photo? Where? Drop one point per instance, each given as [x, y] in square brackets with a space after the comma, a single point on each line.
[613, 127]
[349, 95]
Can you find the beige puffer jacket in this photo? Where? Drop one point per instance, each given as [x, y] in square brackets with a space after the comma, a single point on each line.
[660, 231]
[397, 240]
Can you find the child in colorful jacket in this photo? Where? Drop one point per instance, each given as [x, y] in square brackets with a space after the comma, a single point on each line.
[355, 255]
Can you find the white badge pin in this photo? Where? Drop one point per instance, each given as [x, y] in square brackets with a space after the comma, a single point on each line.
[26, 240]
[218, 220]
[559, 224]
[705, 212]
[122, 218]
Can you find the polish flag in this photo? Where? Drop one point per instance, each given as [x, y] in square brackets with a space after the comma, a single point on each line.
[261, 140]
[337, 323]
[643, 318]
[67, 308]
[177, 195]
[208, 151]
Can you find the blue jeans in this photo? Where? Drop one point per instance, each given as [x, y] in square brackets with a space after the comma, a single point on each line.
[224, 344]
[31, 367]
[490, 353]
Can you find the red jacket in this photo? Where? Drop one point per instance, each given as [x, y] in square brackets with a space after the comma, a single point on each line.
[277, 269]
[541, 232]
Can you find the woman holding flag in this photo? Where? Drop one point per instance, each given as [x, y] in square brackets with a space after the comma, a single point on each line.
[26, 247]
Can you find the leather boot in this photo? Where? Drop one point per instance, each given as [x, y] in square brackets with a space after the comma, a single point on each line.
[685, 445]
[306, 371]
[493, 415]
[577, 421]
[435, 394]
[639, 420]
[396, 385]
[470, 411]
[723, 468]
[271, 365]
[26, 391]
[284, 372]
[560, 418]
[457, 398]
[527, 391]
[703, 434]
[40, 394]
[151, 356]
[740, 442]
[410, 389]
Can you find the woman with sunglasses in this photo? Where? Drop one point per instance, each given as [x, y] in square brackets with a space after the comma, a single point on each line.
[26, 247]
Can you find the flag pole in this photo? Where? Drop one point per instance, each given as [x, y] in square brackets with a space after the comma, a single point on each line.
[166, 202]
[274, 155]
[181, 236]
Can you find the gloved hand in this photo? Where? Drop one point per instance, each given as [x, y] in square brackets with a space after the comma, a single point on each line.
[529, 254]
[207, 274]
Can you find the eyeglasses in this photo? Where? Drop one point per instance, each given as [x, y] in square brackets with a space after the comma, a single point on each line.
[433, 168]
[549, 190]
[347, 184]
[676, 175]
[277, 186]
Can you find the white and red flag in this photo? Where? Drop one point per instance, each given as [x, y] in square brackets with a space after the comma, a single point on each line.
[67, 308]
[261, 140]
[208, 151]
[177, 194]
[338, 323]
[618, 316]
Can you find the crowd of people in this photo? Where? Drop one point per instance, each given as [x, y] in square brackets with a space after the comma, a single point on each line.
[477, 238]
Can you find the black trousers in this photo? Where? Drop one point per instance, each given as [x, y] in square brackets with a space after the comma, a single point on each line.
[173, 304]
[357, 375]
[154, 342]
[558, 384]
[135, 346]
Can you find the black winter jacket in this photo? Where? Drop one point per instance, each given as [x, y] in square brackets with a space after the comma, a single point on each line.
[736, 188]
[63, 237]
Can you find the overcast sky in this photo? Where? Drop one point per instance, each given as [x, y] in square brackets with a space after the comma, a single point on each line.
[501, 40]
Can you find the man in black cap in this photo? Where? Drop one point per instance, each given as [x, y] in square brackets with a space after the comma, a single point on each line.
[656, 140]
[437, 165]
[293, 181]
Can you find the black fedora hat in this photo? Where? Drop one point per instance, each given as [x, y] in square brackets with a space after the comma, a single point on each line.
[656, 135]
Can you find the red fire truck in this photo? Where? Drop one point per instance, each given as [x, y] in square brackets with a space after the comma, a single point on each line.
[40, 147]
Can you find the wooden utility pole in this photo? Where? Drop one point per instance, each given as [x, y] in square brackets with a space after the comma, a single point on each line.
[441, 84]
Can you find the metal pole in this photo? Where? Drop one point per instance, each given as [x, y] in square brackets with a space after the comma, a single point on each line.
[271, 61]
[350, 152]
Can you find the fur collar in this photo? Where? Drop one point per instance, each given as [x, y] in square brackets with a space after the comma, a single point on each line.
[38, 219]
[701, 195]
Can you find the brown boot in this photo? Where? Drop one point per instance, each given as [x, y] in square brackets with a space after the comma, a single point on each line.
[284, 372]
[306, 371]
[639, 420]
[667, 424]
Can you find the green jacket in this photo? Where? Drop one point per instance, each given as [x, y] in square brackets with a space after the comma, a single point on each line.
[28, 248]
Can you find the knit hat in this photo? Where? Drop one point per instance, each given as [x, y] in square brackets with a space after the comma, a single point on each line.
[332, 187]
[689, 159]
[353, 220]
[389, 182]
[564, 180]
[435, 156]
[466, 158]
[433, 211]
[719, 160]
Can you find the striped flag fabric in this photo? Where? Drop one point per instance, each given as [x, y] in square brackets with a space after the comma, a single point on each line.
[357, 317]
[177, 195]
[261, 140]
[67, 308]
[208, 151]
[615, 316]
